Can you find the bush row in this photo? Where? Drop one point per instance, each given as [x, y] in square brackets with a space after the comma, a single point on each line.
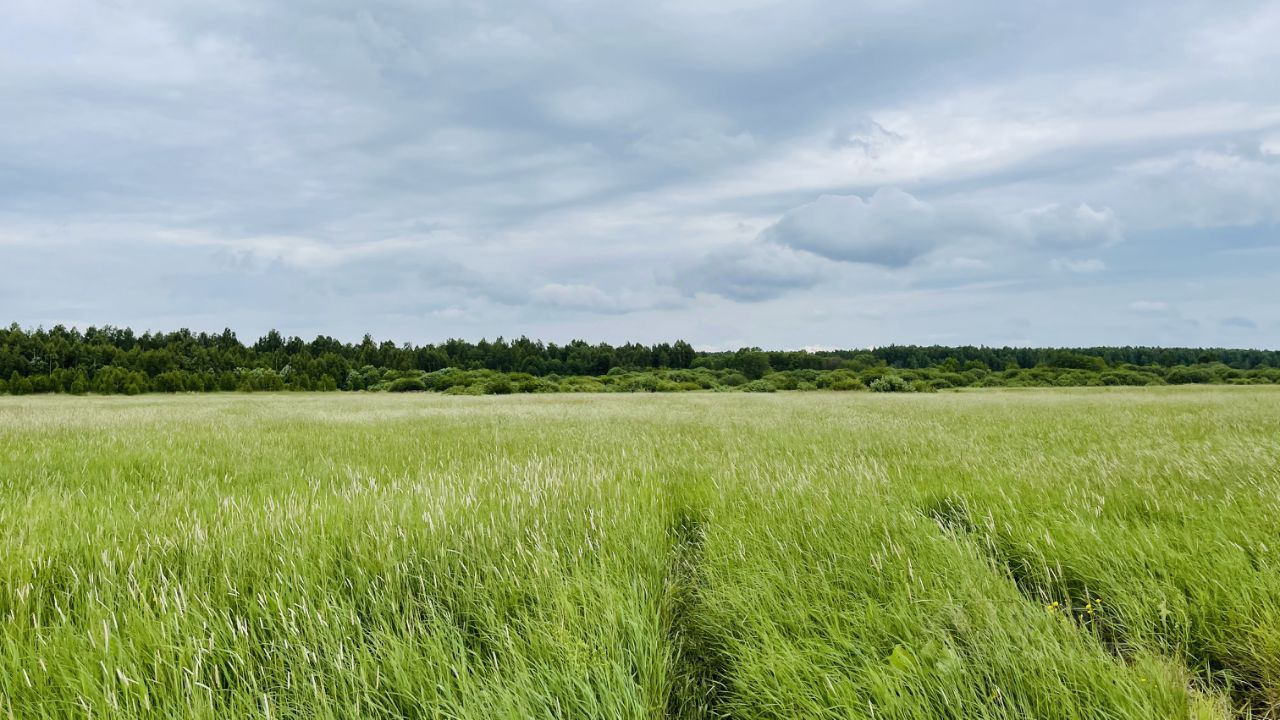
[881, 378]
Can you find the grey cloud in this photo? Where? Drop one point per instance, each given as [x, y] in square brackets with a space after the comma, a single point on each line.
[1238, 322]
[1152, 308]
[866, 135]
[1090, 265]
[591, 298]
[893, 228]
[508, 166]
[1060, 227]
[1204, 188]
[751, 272]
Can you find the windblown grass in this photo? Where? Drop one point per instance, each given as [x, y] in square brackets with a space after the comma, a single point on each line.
[1042, 554]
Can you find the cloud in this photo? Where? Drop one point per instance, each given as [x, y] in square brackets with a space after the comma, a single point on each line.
[512, 167]
[1151, 308]
[1204, 188]
[893, 228]
[867, 136]
[1089, 266]
[590, 298]
[1064, 228]
[751, 272]
[1238, 322]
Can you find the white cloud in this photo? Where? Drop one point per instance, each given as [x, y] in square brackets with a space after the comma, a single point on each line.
[1088, 266]
[1150, 307]
[574, 296]
[452, 312]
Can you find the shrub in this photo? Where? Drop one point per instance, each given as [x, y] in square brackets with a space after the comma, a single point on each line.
[783, 381]
[498, 386]
[733, 379]
[171, 382]
[1185, 376]
[763, 386]
[409, 384]
[890, 383]
[639, 383]
[1124, 377]
[847, 384]
[536, 385]
[949, 380]
[582, 384]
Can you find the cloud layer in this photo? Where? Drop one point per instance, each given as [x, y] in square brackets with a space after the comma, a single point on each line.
[765, 173]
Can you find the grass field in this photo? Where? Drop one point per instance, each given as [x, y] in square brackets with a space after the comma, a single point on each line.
[991, 554]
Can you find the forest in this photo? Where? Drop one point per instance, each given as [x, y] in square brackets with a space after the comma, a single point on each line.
[111, 360]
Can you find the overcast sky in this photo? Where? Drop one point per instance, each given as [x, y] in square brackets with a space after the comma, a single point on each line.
[782, 174]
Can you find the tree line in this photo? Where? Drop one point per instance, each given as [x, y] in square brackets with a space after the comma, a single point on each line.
[110, 360]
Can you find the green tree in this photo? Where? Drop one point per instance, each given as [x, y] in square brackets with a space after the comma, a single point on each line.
[753, 363]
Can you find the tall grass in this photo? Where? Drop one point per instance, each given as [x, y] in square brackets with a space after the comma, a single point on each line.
[1046, 554]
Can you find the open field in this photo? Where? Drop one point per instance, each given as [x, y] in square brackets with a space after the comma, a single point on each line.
[987, 554]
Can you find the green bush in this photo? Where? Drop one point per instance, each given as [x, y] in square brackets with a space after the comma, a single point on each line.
[784, 381]
[890, 383]
[536, 385]
[582, 384]
[1128, 378]
[408, 384]
[1186, 376]
[639, 383]
[760, 386]
[498, 386]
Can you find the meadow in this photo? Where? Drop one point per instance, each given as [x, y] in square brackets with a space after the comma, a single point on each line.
[1036, 553]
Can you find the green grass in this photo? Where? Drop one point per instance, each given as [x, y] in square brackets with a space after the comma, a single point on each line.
[996, 554]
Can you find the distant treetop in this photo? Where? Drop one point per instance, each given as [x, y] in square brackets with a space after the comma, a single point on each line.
[118, 360]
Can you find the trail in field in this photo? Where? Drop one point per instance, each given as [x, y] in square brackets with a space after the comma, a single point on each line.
[1070, 598]
[697, 679]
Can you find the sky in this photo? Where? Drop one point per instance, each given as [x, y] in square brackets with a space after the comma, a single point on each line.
[798, 174]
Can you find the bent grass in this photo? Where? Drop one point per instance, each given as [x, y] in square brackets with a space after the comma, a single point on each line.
[1045, 553]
